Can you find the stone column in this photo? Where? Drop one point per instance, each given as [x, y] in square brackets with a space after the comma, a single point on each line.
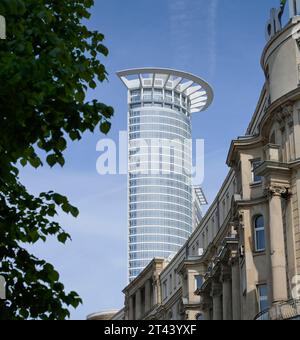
[217, 301]
[277, 245]
[148, 303]
[131, 313]
[227, 293]
[206, 315]
[205, 306]
[138, 304]
[236, 290]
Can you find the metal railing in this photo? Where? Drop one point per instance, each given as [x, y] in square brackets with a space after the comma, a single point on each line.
[150, 98]
[288, 310]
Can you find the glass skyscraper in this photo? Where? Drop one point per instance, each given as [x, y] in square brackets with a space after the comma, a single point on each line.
[160, 193]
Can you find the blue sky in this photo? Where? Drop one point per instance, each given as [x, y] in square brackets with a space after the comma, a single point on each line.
[219, 40]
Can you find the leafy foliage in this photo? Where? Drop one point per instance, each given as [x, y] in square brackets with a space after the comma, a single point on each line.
[47, 63]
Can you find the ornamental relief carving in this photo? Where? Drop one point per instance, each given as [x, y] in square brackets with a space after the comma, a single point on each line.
[276, 190]
[285, 114]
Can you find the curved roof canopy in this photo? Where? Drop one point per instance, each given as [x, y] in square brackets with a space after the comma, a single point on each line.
[196, 89]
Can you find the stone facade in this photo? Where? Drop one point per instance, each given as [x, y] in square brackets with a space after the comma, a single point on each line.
[243, 260]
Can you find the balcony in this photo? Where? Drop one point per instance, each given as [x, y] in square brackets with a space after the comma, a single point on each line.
[289, 310]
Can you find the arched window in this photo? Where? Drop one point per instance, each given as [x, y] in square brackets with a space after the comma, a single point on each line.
[259, 233]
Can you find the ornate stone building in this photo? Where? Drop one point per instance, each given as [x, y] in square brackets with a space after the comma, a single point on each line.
[243, 260]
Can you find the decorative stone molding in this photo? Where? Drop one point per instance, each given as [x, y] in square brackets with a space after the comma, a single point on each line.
[155, 279]
[287, 110]
[276, 190]
[284, 114]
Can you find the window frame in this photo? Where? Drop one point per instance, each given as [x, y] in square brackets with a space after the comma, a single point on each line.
[257, 230]
[196, 277]
[255, 179]
[262, 298]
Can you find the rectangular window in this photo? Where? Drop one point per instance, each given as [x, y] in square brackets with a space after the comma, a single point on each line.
[254, 165]
[165, 289]
[263, 300]
[134, 106]
[260, 240]
[198, 281]
[171, 283]
[259, 234]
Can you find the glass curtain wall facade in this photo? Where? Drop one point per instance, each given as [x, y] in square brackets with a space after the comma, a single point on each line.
[160, 191]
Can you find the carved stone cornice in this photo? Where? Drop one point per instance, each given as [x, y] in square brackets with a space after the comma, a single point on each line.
[230, 247]
[275, 172]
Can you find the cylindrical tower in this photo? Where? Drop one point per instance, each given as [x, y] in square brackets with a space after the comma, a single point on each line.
[160, 160]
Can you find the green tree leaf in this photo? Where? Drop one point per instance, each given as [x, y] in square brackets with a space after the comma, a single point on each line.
[47, 63]
[105, 127]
